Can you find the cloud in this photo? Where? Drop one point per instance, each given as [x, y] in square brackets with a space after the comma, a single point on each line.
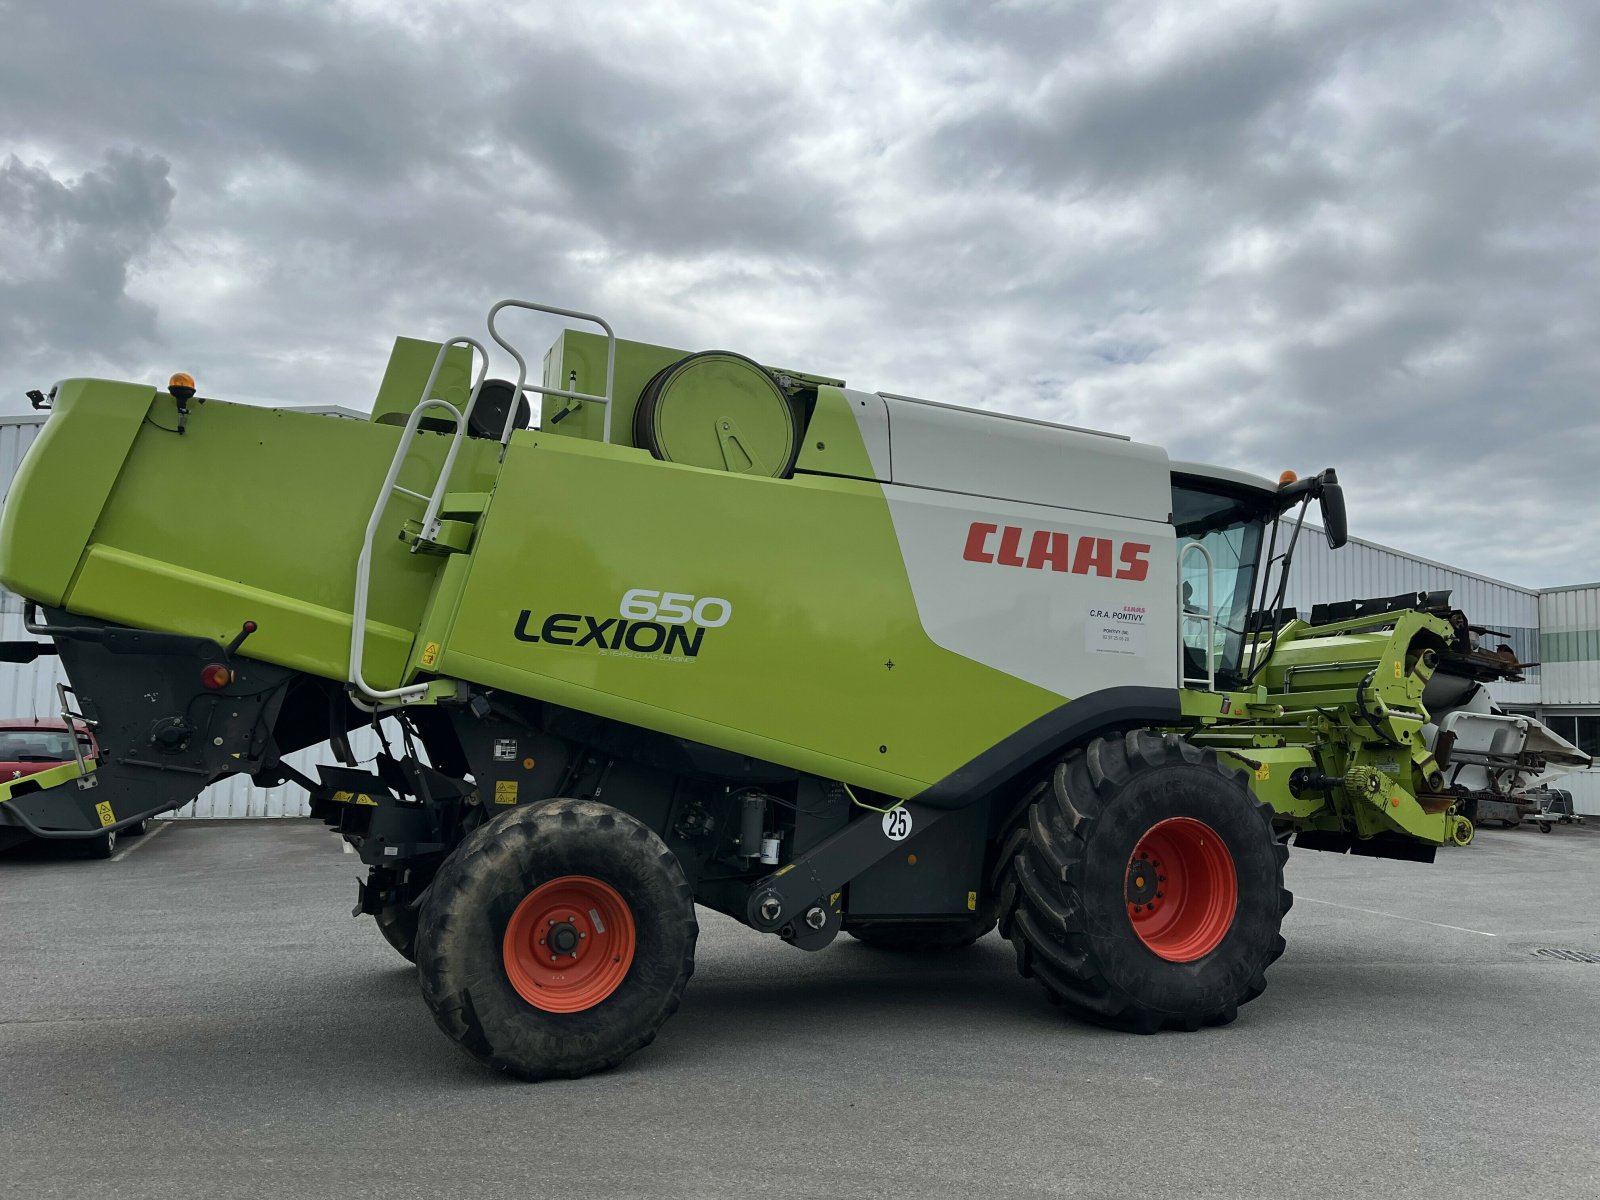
[1261, 235]
[66, 250]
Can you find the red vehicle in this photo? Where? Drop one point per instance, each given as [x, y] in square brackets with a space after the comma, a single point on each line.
[30, 746]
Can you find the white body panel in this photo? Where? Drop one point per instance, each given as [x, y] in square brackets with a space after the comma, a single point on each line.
[1069, 631]
[1035, 549]
[872, 418]
[987, 454]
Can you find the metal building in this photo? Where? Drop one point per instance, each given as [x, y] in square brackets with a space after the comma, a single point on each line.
[1556, 627]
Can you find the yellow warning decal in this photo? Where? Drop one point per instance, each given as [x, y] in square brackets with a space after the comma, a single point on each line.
[363, 798]
[1399, 672]
[505, 791]
[430, 654]
[833, 900]
[103, 811]
[1264, 772]
[972, 901]
[343, 797]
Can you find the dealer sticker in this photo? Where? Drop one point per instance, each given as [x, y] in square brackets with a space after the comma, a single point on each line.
[1115, 629]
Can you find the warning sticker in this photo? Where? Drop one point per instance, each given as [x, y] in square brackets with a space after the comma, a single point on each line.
[1115, 629]
[505, 749]
[505, 791]
[430, 655]
[103, 811]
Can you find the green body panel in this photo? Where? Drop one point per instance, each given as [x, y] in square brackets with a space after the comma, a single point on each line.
[52, 511]
[410, 363]
[798, 675]
[585, 353]
[253, 514]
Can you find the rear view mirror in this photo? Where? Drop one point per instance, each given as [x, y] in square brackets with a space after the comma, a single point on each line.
[1331, 498]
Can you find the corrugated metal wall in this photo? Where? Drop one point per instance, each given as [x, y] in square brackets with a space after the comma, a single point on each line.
[1569, 644]
[1361, 570]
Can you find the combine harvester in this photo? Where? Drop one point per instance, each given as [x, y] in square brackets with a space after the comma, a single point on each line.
[820, 659]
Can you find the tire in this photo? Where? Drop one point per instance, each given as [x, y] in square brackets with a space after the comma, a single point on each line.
[1544, 826]
[926, 935]
[398, 924]
[1070, 879]
[137, 829]
[480, 961]
[102, 846]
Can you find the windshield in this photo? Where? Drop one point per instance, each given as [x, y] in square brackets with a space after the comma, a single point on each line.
[1228, 529]
[35, 745]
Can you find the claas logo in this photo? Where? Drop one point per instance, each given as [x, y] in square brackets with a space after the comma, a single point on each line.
[1050, 549]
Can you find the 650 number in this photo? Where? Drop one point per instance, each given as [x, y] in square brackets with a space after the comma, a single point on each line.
[675, 608]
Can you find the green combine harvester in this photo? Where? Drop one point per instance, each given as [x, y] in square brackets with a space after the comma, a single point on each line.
[819, 659]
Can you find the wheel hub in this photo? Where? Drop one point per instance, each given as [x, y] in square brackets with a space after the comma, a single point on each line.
[563, 938]
[1144, 880]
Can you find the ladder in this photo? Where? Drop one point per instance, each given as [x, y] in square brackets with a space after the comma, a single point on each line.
[362, 693]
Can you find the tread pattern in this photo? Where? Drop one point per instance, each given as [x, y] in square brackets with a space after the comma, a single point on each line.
[1061, 892]
[463, 920]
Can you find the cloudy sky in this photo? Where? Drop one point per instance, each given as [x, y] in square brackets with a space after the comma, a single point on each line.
[1268, 235]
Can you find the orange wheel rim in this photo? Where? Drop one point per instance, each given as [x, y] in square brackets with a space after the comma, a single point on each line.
[569, 944]
[1182, 890]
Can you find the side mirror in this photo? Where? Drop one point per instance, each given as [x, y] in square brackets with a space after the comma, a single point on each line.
[1331, 497]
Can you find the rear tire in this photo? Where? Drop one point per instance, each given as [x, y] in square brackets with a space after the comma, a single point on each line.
[1146, 891]
[398, 924]
[100, 846]
[571, 867]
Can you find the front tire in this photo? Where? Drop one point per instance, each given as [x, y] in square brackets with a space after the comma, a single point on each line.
[1146, 891]
[556, 940]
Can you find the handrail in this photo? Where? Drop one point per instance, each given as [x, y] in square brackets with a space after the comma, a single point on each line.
[522, 366]
[1208, 616]
[83, 778]
[433, 501]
